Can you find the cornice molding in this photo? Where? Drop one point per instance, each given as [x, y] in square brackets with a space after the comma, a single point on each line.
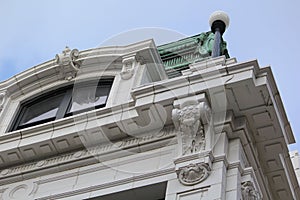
[48, 72]
[88, 154]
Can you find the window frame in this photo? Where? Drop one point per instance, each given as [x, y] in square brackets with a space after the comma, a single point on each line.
[64, 105]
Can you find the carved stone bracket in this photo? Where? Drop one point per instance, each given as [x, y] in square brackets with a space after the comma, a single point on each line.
[129, 63]
[193, 173]
[191, 116]
[68, 64]
[249, 192]
[2, 100]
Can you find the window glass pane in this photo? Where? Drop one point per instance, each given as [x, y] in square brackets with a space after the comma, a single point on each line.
[42, 110]
[63, 102]
[88, 97]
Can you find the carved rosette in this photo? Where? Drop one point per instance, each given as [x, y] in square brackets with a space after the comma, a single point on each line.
[68, 64]
[128, 67]
[2, 100]
[190, 119]
[193, 173]
[249, 192]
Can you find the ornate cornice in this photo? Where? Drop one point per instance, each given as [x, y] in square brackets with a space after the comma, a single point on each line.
[90, 153]
[65, 66]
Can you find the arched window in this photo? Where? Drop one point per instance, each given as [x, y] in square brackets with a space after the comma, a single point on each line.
[63, 102]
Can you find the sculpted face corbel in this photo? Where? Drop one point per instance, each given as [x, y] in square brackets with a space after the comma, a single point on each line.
[129, 63]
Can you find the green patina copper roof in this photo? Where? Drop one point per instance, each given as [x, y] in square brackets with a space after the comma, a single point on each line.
[176, 56]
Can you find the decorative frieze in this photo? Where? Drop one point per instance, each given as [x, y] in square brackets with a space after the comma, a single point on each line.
[68, 64]
[99, 150]
[193, 173]
[190, 116]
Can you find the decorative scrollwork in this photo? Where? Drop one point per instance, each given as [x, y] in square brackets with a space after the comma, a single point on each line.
[189, 119]
[68, 63]
[193, 173]
[24, 190]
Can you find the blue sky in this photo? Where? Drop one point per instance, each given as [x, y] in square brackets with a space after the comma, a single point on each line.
[32, 32]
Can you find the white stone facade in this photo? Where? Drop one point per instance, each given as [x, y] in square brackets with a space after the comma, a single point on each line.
[295, 158]
[219, 131]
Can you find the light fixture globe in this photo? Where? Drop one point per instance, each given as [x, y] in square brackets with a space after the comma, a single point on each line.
[220, 20]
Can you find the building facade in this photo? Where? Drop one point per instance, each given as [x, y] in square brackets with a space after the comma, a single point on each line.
[296, 163]
[145, 122]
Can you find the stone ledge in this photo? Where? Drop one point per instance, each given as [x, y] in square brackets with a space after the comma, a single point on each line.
[87, 156]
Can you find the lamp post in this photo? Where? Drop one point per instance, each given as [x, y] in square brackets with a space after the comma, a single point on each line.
[218, 22]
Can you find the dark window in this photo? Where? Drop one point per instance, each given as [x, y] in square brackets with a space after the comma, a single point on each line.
[63, 102]
[150, 192]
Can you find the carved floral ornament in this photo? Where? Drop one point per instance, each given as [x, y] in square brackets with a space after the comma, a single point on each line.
[68, 64]
[193, 173]
[190, 118]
